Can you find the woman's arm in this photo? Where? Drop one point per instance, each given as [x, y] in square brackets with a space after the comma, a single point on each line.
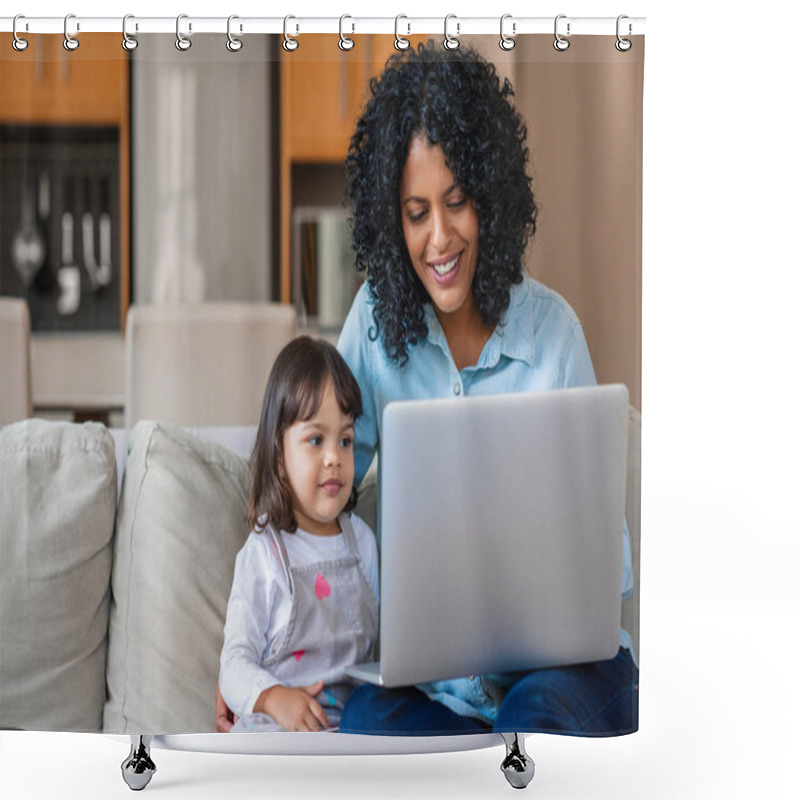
[358, 349]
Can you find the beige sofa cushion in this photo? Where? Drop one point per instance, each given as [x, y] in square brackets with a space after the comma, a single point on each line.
[57, 506]
[180, 524]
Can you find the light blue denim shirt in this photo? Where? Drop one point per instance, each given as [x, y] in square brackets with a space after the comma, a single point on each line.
[538, 345]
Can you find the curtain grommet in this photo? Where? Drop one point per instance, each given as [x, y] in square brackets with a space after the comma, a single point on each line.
[623, 45]
[129, 42]
[561, 43]
[400, 42]
[70, 42]
[290, 44]
[451, 42]
[182, 42]
[18, 43]
[507, 42]
[233, 44]
[345, 42]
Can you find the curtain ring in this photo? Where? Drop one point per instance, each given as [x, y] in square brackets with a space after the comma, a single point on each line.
[70, 42]
[128, 42]
[289, 44]
[400, 42]
[451, 42]
[623, 45]
[18, 44]
[181, 42]
[560, 42]
[507, 42]
[345, 42]
[233, 44]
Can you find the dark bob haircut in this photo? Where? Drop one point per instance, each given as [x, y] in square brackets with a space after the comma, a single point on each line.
[294, 392]
[457, 100]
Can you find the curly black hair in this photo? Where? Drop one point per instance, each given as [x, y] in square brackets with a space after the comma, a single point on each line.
[457, 99]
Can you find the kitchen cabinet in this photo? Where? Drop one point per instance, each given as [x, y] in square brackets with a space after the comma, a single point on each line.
[65, 131]
[323, 90]
[47, 84]
[56, 95]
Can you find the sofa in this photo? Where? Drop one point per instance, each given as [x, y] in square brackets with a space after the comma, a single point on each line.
[116, 559]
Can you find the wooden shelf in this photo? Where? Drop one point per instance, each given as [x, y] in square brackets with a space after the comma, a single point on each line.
[323, 91]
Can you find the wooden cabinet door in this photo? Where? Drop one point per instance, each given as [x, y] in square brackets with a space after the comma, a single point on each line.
[46, 84]
[322, 91]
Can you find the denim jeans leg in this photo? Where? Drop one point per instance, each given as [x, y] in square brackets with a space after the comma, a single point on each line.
[405, 711]
[597, 699]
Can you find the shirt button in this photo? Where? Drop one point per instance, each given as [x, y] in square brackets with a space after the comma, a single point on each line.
[457, 389]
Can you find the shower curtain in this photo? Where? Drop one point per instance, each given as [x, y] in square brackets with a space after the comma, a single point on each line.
[154, 180]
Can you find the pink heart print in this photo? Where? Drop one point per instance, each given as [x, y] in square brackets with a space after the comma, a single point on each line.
[322, 587]
[298, 654]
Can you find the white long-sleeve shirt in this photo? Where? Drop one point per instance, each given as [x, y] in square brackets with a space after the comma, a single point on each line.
[260, 604]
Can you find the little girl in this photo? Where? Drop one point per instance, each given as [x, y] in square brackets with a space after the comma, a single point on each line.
[303, 604]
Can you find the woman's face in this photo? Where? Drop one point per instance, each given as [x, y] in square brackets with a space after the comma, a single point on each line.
[440, 226]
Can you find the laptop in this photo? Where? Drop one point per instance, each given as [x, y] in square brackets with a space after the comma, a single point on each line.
[501, 527]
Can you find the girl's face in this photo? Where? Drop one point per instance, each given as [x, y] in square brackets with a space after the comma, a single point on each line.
[318, 465]
[440, 226]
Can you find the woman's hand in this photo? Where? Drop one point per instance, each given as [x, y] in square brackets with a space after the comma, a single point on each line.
[225, 717]
[294, 709]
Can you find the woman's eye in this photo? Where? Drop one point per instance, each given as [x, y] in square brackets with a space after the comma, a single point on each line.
[458, 203]
[416, 216]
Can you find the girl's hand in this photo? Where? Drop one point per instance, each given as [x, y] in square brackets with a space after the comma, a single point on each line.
[294, 709]
[225, 718]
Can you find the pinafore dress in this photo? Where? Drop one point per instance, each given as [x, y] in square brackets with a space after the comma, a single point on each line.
[333, 624]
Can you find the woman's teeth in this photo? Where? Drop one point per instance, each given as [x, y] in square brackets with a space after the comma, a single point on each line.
[443, 269]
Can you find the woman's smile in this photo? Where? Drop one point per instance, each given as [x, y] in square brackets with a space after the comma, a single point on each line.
[446, 269]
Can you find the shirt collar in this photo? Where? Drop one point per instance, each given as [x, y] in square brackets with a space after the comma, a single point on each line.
[512, 337]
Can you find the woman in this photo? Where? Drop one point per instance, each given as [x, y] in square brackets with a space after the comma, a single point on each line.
[442, 211]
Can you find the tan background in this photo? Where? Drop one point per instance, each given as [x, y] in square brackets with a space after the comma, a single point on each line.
[584, 113]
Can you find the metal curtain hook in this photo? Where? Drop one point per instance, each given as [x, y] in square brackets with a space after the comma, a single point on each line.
[181, 42]
[18, 44]
[560, 42]
[128, 42]
[233, 44]
[345, 42]
[400, 42]
[70, 42]
[451, 42]
[507, 42]
[623, 45]
[289, 44]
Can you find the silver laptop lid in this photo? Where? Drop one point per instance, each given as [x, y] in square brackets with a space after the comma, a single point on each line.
[501, 532]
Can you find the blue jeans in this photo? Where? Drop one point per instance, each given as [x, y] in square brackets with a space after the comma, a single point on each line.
[597, 699]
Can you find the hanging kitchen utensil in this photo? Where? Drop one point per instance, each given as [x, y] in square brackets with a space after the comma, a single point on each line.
[87, 231]
[27, 246]
[69, 276]
[45, 280]
[104, 268]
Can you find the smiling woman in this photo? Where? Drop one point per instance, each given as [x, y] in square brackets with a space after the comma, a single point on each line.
[442, 212]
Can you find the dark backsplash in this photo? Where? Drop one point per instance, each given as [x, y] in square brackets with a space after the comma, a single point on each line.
[58, 170]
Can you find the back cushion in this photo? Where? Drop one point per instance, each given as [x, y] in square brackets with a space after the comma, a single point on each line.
[180, 524]
[57, 499]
